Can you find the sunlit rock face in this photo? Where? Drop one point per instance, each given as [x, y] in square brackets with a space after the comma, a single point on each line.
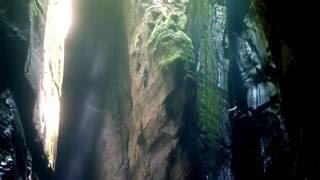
[58, 21]
[45, 69]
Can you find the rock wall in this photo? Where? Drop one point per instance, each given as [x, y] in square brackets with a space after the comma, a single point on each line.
[44, 69]
[259, 132]
[15, 158]
[153, 89]
[199, 132]
[160, 57]
[27, 71]
[207, 28]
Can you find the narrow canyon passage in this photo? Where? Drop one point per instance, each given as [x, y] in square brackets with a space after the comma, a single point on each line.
[153, 90]
[95, 94]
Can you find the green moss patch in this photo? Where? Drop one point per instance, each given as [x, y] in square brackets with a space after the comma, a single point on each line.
[171, 44]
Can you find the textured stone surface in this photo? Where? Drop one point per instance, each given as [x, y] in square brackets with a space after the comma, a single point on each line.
[47, 57]
[15, 159]
[23, 71]
[158, 102]
[155, 105]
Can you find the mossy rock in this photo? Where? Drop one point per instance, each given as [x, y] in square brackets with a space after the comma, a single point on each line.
[171, 44]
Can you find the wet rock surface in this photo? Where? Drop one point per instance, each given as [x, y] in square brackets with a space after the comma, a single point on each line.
[15, 159]
[259, 134]
[15, 28]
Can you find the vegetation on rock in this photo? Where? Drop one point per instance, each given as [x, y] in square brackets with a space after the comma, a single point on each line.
[209, 98]
[171, 44]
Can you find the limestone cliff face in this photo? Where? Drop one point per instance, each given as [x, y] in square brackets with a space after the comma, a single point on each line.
[158, 91]
[49, 22]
